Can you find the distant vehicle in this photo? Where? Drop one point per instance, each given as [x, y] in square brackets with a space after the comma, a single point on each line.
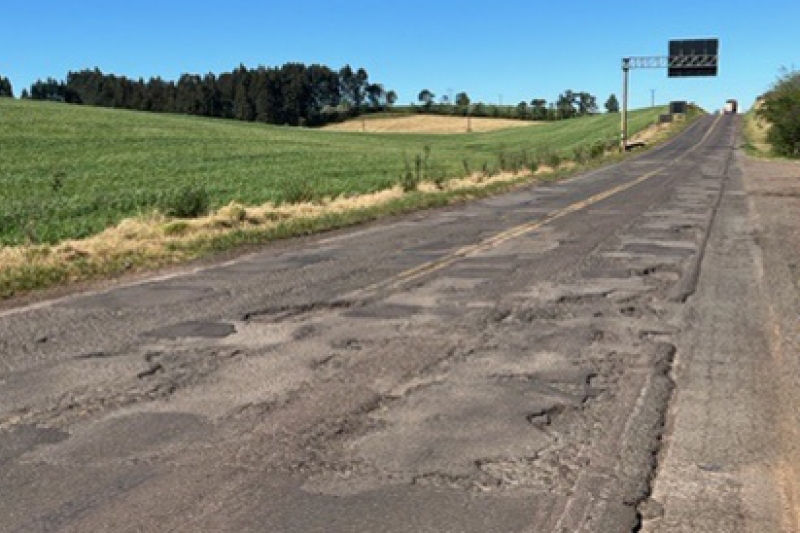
[731, 107]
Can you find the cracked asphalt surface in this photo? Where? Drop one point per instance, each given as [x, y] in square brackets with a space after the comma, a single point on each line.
[504, 365]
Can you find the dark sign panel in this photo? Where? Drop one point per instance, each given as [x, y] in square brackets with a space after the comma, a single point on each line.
[693, 57]
[677, 108]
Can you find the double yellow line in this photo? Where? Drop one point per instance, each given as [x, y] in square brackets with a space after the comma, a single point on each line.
[416, 273]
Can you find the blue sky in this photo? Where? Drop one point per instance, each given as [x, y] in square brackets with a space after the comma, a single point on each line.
[511, 50]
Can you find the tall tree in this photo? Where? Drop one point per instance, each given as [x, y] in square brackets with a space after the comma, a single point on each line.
[226, 92]
[565, 105]
[325, 92]
[189, 96]
[587, 104]
[539, 109]
[612, 104]
[243, 108]
[158, 95]
[376, 95]
[346, 84]
[296, 95]
[210, 103]
[426, 98]
[6, 90]
[360, 87]
[353, 85]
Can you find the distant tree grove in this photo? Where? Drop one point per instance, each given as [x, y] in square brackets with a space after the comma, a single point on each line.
[294, 94]
[570, 104]
[5, 88]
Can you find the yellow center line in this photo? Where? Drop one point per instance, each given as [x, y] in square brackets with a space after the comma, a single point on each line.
[428, 268]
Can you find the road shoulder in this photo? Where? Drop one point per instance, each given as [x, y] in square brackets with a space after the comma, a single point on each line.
[728, 455]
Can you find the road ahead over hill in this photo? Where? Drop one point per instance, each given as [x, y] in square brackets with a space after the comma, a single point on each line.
[501, 366]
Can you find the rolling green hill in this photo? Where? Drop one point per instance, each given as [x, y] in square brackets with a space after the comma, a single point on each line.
[71, 171]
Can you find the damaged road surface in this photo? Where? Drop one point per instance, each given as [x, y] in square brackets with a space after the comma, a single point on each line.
[499, 366]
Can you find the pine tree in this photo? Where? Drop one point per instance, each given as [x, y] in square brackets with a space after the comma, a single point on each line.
[612, 104]
[6, 90]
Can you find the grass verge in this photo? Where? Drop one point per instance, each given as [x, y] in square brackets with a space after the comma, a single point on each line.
[754, 131]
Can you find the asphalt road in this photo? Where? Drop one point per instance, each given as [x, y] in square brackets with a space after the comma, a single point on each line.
[500, 366]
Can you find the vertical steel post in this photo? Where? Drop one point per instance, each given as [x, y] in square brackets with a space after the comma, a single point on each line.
[624, 126]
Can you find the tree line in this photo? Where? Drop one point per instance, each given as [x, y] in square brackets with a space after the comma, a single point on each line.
[569, 104]
[295, 94]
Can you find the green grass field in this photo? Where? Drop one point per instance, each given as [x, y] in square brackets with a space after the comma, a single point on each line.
[71, 171]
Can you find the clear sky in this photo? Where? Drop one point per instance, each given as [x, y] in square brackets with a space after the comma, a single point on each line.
[508, 50]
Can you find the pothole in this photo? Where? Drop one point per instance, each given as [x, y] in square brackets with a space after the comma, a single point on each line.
[143, 296]
[658, 271]
[655, 248]
[385, 311]
[194, 329]
[289, 312]
[544, 417]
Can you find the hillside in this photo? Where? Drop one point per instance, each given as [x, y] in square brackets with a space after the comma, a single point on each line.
[71, 171]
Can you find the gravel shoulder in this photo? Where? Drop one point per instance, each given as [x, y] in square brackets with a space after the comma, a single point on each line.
[731, 453]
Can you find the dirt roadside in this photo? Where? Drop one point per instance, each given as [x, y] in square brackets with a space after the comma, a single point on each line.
[773, 193]
[731, 455]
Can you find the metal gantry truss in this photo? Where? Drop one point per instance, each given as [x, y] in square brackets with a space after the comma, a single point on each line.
[678, 62]
[687, 61]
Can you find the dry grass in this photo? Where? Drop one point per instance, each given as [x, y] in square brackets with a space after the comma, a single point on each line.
[155, 237]
[653, 133]
[755, 131]
[429, 124]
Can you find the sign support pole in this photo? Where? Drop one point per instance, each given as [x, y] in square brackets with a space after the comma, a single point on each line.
[687, 58]
[624, 126]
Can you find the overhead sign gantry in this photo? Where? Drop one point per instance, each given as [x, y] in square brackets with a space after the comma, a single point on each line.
[686, 58]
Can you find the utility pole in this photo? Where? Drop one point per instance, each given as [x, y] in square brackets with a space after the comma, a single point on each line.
[652, 97]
